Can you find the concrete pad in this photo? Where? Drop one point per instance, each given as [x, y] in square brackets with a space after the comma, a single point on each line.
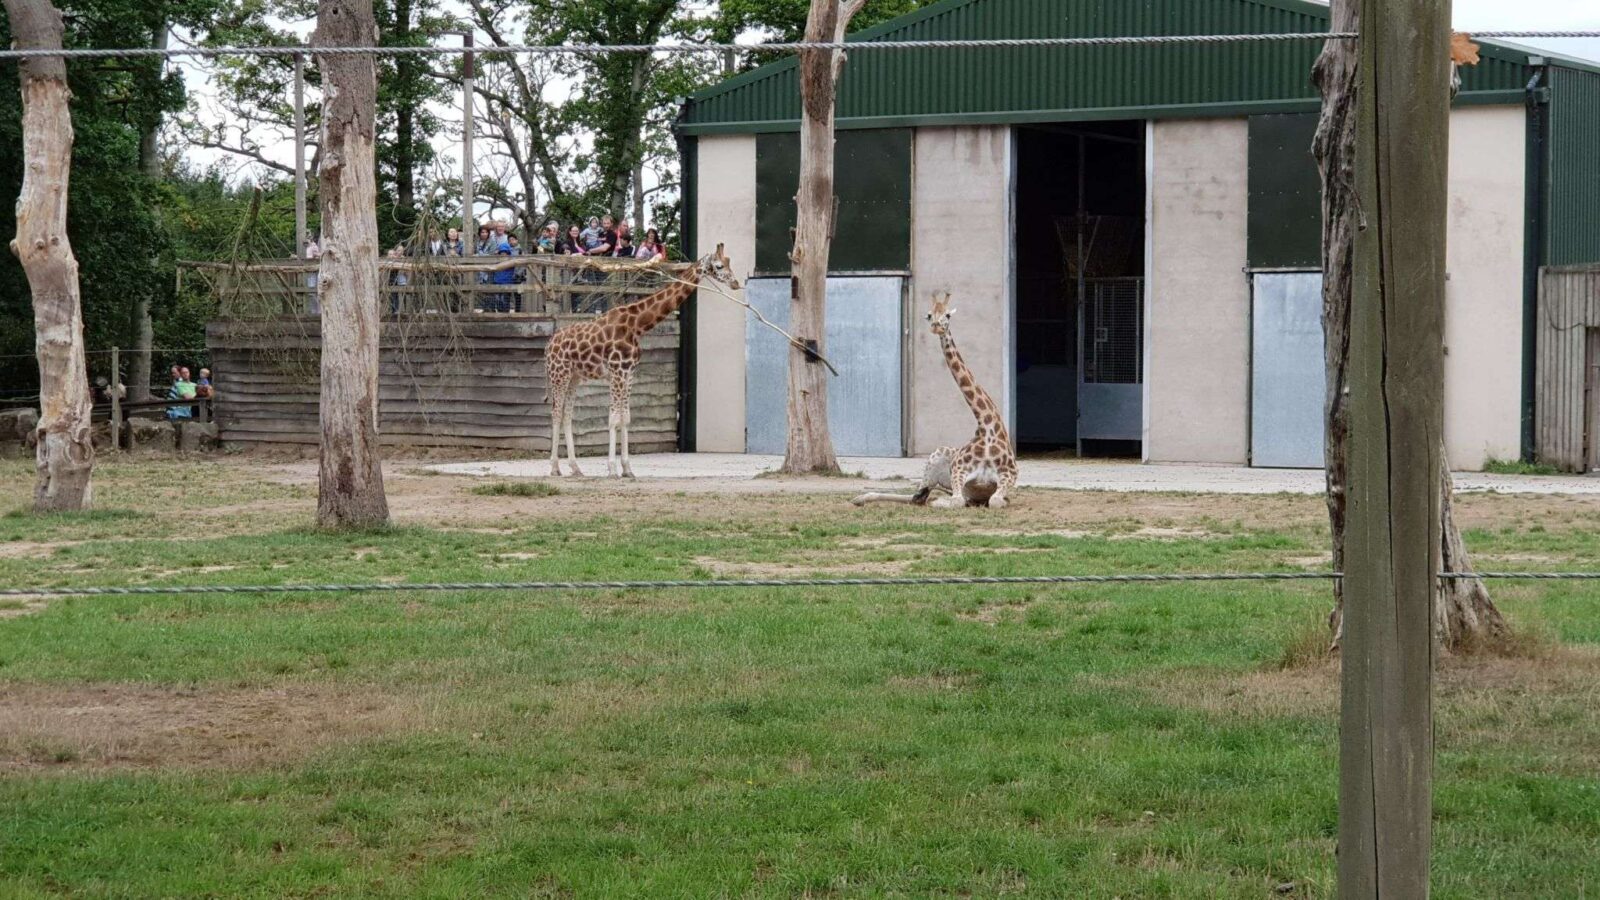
[738, 471]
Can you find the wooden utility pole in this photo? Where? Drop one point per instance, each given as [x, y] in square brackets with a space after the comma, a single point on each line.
[1396, 383]
[469, 231]
[65, 455]
[350, 479]
[116, 400]
[299, 154]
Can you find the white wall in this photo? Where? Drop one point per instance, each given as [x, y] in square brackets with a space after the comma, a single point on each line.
[1483, 298]
[1197, 300]
[960, 242]
[725, 211]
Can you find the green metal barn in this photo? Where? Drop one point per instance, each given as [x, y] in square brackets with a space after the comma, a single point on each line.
[1131, 237]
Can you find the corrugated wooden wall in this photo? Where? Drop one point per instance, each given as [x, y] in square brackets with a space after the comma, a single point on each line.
[473, 383]
[1569, 306]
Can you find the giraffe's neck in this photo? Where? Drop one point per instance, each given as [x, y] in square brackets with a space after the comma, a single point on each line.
[978, 400]
[648, 313]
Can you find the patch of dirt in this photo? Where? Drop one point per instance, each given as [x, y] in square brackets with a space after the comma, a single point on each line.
[1069, 533]
[32, 549]
[1479, 701]
[800, 568]
[1312, 690]
[1166, 534]
[16, 607]
[940, 681]
[123, 726]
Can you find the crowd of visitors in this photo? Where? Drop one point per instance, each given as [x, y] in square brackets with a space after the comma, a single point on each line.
[185, 389]
[602, 237]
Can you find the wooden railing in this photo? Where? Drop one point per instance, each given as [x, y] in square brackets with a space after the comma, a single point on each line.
[546, 285]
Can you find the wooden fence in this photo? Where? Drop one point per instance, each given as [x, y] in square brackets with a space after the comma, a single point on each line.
[546, 285]
[1568, 368]
[471, 381]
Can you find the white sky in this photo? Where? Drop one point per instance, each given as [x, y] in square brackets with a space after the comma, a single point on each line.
[1525, 15]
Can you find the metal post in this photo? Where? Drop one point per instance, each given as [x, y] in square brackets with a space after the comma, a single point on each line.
[299, 154]
[469, 229]
[1396, 385]
[116, 401]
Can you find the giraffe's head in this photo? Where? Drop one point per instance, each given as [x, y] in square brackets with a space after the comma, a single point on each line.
[715, 265]
[939, 315]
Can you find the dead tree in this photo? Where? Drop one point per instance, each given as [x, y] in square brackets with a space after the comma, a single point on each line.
[350, 484]
[810, 446]
[65, 452]
[1464, 616]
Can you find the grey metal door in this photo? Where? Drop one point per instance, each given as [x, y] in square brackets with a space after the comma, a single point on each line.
[1286, 370]
[1111, 389]
[862, 340]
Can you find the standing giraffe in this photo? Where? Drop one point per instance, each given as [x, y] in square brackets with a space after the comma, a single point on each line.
[608, 347]
[981, 471]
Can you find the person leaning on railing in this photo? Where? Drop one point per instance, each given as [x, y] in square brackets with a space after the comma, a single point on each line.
[651, 248]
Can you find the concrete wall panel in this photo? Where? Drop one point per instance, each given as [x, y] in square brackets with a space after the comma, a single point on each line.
[1483, 298]
[1197, 343]
[726, 213]
[960, 242]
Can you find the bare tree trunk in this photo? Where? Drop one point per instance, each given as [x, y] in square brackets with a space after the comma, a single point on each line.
[65, 454]
[144, 327]
[405, 189]
[1464, 616]
[638, 197]
[1334, 147]
[350, 486]
[810, 446]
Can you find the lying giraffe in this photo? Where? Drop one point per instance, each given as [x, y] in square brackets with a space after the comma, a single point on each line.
[608, 347]
[983, 471]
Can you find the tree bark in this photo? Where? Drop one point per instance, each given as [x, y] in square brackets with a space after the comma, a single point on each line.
[638, 197]
[350, 486]
[65, 455]
[1464, 615]
[144, 326]
[405, 185]
[810, 447]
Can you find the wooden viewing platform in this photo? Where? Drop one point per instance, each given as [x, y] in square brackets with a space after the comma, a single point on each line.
[451, 374]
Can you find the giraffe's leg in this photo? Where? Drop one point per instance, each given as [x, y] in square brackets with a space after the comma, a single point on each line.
[958, 478]
[627, 419]
[1008, 480]
[613, 422]
[572, 451]
[558, 408]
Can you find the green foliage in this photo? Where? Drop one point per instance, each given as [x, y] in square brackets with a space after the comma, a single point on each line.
[113, 218]
[1518, 467]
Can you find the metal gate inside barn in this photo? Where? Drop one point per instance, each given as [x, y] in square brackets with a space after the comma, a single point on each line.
[1286, 370]
[862, 339]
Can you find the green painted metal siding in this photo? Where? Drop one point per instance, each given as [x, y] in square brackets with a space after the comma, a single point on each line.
[1572, 205]
[1284, 229]
[872, 179]
[917, 87]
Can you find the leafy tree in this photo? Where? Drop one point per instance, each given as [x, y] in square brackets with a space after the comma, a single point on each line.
[113, 207]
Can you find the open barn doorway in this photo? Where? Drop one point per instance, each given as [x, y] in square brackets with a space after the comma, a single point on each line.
[1079, 243]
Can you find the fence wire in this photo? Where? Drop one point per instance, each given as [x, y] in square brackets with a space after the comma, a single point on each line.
[697, 47]
[926, 581]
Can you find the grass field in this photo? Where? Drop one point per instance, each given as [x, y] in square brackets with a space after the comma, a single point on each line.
[1132, 741]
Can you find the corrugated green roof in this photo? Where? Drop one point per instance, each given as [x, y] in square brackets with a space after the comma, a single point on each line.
[884, 88]
[1572, 198]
